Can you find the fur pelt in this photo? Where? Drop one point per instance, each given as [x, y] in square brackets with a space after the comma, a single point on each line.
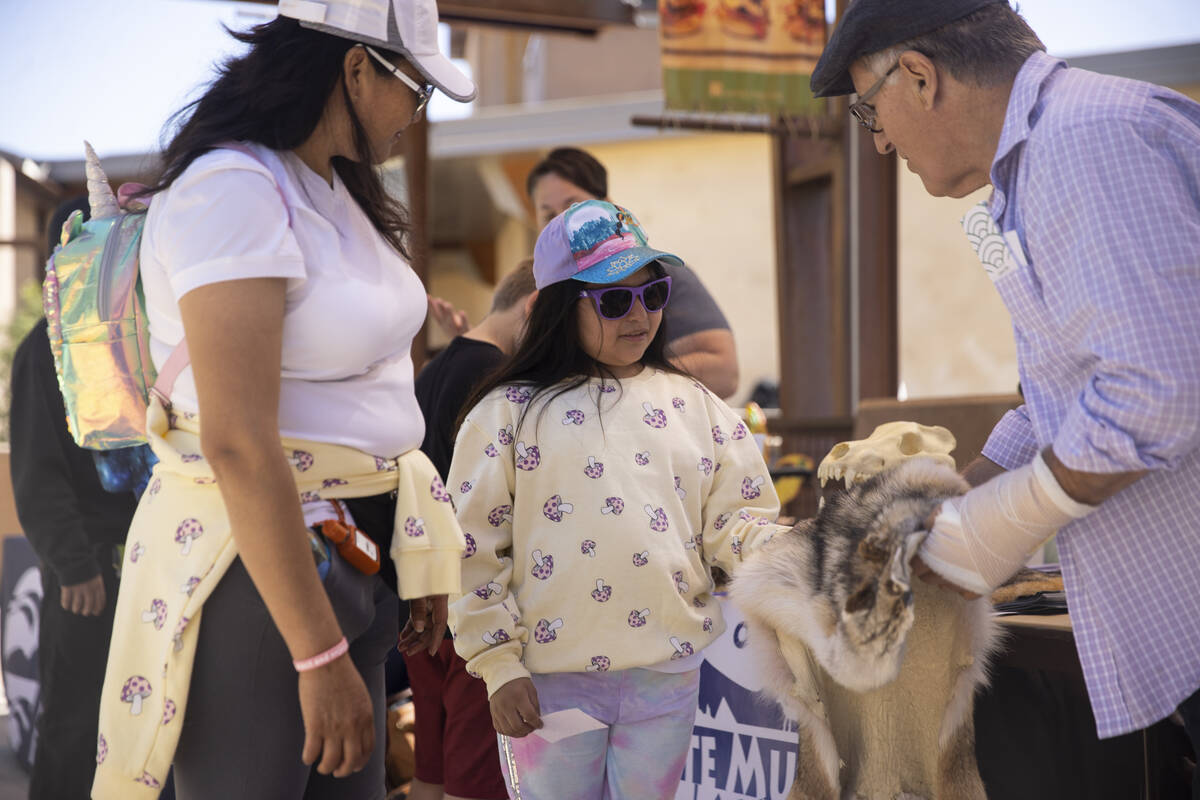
[879, 670]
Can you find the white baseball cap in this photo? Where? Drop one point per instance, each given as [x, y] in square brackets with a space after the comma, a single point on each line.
[408, 27]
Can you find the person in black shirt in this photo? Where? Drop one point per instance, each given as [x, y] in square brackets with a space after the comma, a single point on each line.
[447, 380]
[455, 743]
[75, 527]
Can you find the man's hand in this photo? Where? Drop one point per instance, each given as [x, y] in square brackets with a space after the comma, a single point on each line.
[447, 317]
[515, 709]
[426, 626]
[926, 573]
[87, 598]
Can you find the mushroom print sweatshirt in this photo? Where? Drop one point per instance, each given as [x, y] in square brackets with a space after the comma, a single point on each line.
[592, 525]
[179, 547]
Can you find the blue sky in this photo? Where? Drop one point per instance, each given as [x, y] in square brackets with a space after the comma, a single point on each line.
[114, 72]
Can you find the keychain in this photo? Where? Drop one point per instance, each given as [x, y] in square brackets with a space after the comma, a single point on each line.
[352, 544]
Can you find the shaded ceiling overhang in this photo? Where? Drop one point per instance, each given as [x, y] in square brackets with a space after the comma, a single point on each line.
[578, 16]
[573, 16]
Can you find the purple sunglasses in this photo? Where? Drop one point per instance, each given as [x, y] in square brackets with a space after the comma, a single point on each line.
[614, 302]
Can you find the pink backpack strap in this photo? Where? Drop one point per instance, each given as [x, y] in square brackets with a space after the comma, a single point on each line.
[170, 372]
[179, 359]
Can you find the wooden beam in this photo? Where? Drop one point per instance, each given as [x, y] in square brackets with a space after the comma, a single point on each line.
[572, 16]
[813, 293]
[814, 127]
[871, 202]
[580, 16]
[877, 341]
[24, 244]
[416, 172]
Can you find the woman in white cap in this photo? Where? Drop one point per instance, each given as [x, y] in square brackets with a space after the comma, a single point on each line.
[248, 651]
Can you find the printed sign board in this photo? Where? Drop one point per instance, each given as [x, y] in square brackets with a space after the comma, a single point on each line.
[21, 599]
[742, 747]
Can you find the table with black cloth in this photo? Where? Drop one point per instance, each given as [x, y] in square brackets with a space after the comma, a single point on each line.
[1035, 737]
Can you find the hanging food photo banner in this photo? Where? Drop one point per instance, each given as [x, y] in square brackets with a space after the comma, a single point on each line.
[749, 56]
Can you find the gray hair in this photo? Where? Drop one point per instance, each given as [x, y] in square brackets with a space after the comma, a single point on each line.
[985, 48]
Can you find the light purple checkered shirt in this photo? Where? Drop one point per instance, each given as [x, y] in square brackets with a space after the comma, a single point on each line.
[1100, 179]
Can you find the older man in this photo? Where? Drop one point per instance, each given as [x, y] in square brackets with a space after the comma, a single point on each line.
[1092, 237]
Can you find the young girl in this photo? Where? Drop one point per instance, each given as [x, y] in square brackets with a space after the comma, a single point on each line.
[597, 486]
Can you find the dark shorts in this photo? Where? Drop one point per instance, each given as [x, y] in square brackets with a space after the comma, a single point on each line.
[454, 727]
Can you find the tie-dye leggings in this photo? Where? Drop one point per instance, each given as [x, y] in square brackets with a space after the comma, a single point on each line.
[639, 756]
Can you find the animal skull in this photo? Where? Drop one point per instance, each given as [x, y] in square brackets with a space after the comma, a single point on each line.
[888, 445]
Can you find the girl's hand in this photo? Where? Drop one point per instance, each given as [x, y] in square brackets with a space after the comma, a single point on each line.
[339, 723]
[426, 626]
[515, 710]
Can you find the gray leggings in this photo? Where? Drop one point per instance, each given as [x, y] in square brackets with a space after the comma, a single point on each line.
[242, 732]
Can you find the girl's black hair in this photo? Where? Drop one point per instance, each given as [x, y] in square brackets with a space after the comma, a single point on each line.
[550, 358]
[275, 94]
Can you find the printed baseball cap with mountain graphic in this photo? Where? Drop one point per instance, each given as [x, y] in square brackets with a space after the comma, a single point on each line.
[594, 242]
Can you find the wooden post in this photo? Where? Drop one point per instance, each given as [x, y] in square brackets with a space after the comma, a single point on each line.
[874, 209]
[871, 209]
[416, 172]
[835, 200]
[813, 290]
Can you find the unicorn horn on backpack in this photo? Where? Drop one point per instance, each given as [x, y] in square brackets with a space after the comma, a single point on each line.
[100, 194]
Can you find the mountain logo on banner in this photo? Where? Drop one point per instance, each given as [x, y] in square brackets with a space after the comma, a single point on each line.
[742, 746]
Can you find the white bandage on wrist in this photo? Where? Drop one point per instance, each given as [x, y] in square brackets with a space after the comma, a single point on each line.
[980, 539]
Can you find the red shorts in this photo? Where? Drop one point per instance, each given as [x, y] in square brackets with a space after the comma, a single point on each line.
[455, 741]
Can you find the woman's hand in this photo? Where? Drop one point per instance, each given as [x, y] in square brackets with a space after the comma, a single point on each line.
[339, 723]
[515, 710]
[426, 626]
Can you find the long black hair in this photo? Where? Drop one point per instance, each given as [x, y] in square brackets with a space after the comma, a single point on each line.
[550, 358]
[275, 95]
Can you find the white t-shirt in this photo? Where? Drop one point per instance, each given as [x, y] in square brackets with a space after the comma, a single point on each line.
[353, 304]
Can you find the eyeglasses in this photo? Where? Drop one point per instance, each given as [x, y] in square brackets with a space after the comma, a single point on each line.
[423, 92]
[615, 302]
[863, 111]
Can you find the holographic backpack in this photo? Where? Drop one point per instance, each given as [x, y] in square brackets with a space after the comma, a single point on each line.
[96, 318]
[96, 321]
[96, 315]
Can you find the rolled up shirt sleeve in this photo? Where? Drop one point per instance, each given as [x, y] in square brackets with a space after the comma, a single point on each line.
[1011, 443]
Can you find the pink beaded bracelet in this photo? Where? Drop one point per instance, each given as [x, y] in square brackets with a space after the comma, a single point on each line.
[321, 659]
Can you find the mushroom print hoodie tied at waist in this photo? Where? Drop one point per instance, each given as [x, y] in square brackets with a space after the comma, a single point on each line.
[179, 547]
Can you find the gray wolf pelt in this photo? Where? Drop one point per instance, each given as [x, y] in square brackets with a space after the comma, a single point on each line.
[878, 669]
